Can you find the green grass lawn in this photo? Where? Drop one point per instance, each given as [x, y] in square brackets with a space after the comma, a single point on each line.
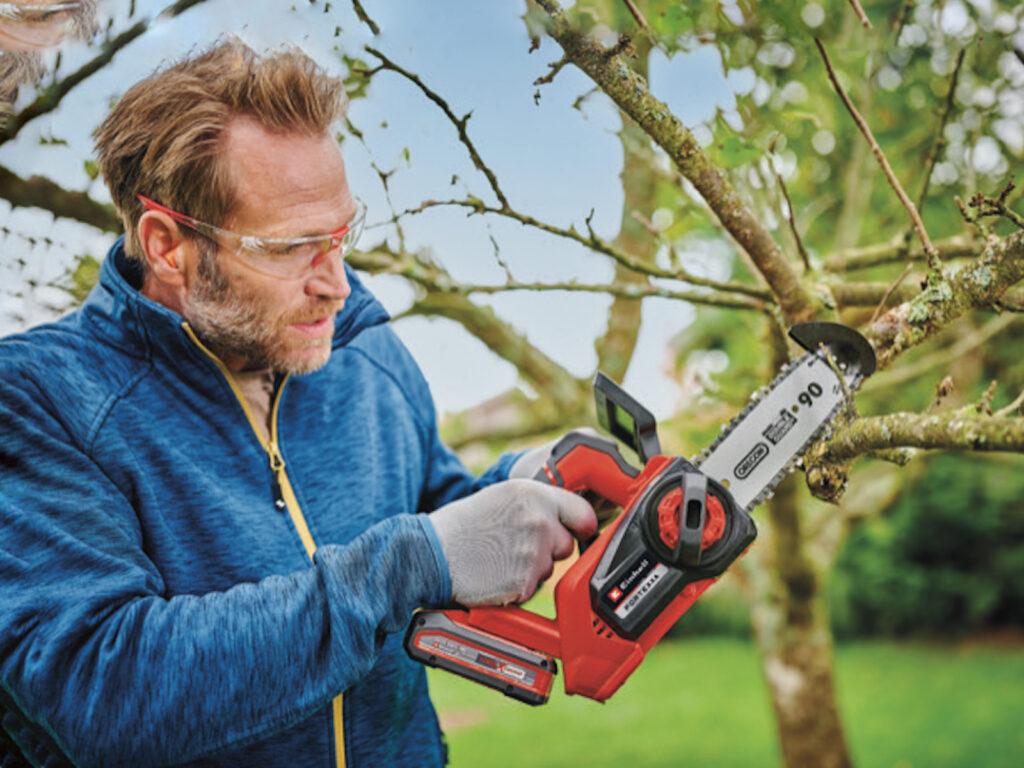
[704, 703]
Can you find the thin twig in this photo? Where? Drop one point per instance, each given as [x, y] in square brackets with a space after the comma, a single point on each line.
[855, 4]
[792, 225]
[637, 15]
[940, 142]
[460, 124]
[365, 17]
[987, 206]
[932, 255]
[555, 68]
[901, 19]
[597, 244]
[889, 292]
[943, 390]
[620, 290]
[1014, 406]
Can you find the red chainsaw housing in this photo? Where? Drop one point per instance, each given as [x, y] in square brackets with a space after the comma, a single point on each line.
[595, 660]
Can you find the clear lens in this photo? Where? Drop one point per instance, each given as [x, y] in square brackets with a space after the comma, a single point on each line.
[293, 257]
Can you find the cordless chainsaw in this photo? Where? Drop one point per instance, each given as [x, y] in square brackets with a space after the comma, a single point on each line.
[683, 523]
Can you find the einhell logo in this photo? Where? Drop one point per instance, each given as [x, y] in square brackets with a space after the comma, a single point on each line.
[638, 570]
[749, 462]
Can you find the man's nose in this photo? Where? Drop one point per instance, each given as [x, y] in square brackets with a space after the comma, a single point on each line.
[328, 279]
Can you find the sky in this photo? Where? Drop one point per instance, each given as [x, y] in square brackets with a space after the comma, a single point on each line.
[553, 161]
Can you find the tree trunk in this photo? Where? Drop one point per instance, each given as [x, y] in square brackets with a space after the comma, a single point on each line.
[796, 645]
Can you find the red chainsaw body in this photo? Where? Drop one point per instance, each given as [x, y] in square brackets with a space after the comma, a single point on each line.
[595, 660]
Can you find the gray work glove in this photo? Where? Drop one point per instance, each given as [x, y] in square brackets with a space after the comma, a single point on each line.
[502, 541]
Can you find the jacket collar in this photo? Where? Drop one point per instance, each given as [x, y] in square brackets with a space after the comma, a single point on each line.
[144, 328]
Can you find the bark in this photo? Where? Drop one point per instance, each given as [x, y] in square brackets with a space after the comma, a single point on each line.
[963, 429]
[40, 192]
[978, 284]
[795, 642]
[615, 347]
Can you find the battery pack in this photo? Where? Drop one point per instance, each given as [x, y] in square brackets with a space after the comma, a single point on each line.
[440, 639]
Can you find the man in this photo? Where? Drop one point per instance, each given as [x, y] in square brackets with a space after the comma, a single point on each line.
[211, 471]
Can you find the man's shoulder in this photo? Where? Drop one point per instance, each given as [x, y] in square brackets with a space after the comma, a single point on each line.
[62, 368]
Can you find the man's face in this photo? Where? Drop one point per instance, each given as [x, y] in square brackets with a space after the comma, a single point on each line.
[286, 185]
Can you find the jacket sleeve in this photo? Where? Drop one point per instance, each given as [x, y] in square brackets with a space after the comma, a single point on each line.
[116, 674]
[447, 478]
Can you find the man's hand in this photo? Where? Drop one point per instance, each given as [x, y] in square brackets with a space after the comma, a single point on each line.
[502, 541]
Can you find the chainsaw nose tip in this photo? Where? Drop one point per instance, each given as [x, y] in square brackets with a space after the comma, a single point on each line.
[848, 348]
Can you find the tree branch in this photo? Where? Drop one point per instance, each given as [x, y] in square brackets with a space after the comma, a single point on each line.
[850, 294]
[861, 16]
[792, 224]
[621, 290]
[563, 393]
[630, 92]
[956, 247]
[442, 296]
[980, 284]
[593, 242]
[961, 429]
[934, 263]
[460, 124]
[940, 140]
[365, 17]
[944, 356]
[40, 192]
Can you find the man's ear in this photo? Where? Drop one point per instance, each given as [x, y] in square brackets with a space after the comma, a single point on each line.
[164, 248]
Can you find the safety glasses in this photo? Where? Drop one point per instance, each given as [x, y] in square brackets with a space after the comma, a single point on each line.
[284, 257]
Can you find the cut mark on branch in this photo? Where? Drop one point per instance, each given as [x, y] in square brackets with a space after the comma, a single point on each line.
[932, 255]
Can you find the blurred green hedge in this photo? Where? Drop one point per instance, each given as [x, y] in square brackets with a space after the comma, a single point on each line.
[946, 559]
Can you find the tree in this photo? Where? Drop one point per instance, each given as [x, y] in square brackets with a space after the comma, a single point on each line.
[789, 204]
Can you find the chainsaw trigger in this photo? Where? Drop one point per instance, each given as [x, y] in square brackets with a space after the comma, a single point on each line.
[692, 515]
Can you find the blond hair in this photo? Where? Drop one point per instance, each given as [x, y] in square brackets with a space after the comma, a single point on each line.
[163, 138]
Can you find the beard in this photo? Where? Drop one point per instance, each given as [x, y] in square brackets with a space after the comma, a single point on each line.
[235, 320]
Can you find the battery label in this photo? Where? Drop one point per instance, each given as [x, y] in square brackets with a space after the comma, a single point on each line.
[471, 656]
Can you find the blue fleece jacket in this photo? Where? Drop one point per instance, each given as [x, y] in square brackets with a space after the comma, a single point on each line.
[158, 604]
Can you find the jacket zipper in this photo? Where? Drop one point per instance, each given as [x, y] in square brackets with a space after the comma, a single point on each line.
[284, 501]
